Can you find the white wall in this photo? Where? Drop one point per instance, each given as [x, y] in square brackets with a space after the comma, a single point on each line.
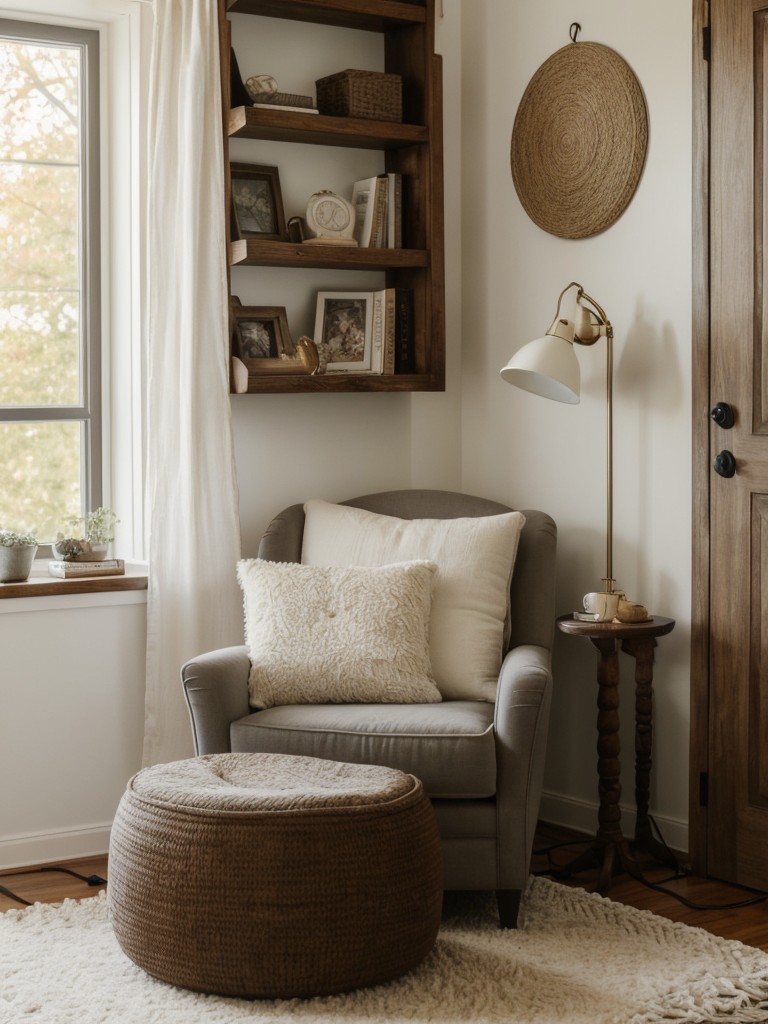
[71, 726]
[527, 451]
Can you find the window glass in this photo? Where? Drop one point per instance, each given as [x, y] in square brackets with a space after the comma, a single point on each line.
[41, 474]
[49, 390]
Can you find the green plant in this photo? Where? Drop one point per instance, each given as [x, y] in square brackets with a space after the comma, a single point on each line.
[98, 526]
[11, 539]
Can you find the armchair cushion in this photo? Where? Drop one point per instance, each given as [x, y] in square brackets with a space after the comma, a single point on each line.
[474, 557]
[450, 746]
[330, 634]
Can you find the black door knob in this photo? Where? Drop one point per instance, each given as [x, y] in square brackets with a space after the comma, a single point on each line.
[725, 463]
[723, 416]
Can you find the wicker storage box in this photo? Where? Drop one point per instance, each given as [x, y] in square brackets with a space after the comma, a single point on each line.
[370, 94]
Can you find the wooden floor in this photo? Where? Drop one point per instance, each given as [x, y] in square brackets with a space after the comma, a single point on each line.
[748, 924]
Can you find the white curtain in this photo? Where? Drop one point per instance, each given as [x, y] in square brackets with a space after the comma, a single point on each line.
[194, 603]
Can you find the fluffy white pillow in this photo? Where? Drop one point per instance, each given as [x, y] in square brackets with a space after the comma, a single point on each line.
[319, 635]
[474, 557]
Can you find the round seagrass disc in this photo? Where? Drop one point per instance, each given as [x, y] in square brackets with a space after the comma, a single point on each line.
[579, 141]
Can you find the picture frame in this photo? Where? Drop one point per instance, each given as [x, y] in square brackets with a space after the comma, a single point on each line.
[257, 202]
[262, 342]
[344, 331]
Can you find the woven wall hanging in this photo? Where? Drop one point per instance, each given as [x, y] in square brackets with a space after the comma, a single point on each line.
[579, 140]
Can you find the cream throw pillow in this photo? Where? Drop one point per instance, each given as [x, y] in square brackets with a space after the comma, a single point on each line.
[319, 635]
[474, 557]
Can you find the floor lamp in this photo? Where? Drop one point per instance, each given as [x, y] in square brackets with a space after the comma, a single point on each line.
[548, 367]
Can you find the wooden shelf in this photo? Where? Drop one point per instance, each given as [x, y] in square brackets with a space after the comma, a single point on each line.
[319, 130]
[413, 149]
[344, 382]
[370, 15]
[253, 252]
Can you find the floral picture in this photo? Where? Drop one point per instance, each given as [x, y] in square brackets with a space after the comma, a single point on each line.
[343, 330]
[257, 202]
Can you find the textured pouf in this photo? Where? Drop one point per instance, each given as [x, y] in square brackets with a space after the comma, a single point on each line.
[267, 875]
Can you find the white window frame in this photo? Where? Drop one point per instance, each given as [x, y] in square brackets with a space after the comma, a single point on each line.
[123, 27]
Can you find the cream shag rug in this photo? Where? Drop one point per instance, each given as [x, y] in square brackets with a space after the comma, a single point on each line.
[578, 958]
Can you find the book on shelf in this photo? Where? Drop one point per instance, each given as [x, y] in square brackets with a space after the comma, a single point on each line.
[278, 98]
[383, 331]
[378, 211]
[286, 106]
[405, 360]
[394, 210]
[364, 201]
[379, 229]
[75, 570]
[377, 333]
[389, 331]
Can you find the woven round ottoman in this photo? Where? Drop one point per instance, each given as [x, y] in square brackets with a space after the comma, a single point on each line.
[274, 876]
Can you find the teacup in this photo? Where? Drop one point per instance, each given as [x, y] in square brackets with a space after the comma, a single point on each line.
[603, 604]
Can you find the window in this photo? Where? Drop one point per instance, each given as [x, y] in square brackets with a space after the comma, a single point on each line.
[50, 372]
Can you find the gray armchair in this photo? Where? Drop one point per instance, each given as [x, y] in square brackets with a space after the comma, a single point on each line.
[481, 763]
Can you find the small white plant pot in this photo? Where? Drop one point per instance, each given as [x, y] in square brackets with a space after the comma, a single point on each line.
[16, 562]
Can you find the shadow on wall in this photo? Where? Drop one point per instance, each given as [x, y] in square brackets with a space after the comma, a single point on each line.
[649, 388]
[648, 371]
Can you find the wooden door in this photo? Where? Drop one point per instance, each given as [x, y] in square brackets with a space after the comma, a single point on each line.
[734, 783]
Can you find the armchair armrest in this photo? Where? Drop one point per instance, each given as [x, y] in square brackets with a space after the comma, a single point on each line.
[216, 691]
[523, 700]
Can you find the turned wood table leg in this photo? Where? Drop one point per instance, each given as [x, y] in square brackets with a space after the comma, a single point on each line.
[608, 749]
[642, 651]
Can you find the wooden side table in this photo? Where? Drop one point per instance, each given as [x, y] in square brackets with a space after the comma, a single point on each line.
[611, 851]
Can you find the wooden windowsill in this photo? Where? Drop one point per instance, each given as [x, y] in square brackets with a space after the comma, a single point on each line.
[40, 584]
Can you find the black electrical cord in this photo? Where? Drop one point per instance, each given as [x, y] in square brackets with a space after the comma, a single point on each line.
[13, 896]
[88, 879]
[661, 886]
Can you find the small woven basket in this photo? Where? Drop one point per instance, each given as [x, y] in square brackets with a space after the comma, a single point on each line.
[368, 94]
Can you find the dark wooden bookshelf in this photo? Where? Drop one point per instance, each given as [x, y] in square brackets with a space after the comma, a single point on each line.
[412, 148]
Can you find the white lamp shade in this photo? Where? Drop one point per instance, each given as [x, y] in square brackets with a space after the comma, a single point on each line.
[548, 367]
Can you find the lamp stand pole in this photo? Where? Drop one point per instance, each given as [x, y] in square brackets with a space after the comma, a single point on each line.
[609, 580]
[590, 326]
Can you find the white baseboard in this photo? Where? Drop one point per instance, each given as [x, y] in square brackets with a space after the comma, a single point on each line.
[570, 812]
[47, 847]
[566, 811]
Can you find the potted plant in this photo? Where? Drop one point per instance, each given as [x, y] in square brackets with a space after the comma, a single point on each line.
[88, 537]
[17, 552]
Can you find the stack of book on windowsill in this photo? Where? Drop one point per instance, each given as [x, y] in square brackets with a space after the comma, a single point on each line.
[78, 570]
